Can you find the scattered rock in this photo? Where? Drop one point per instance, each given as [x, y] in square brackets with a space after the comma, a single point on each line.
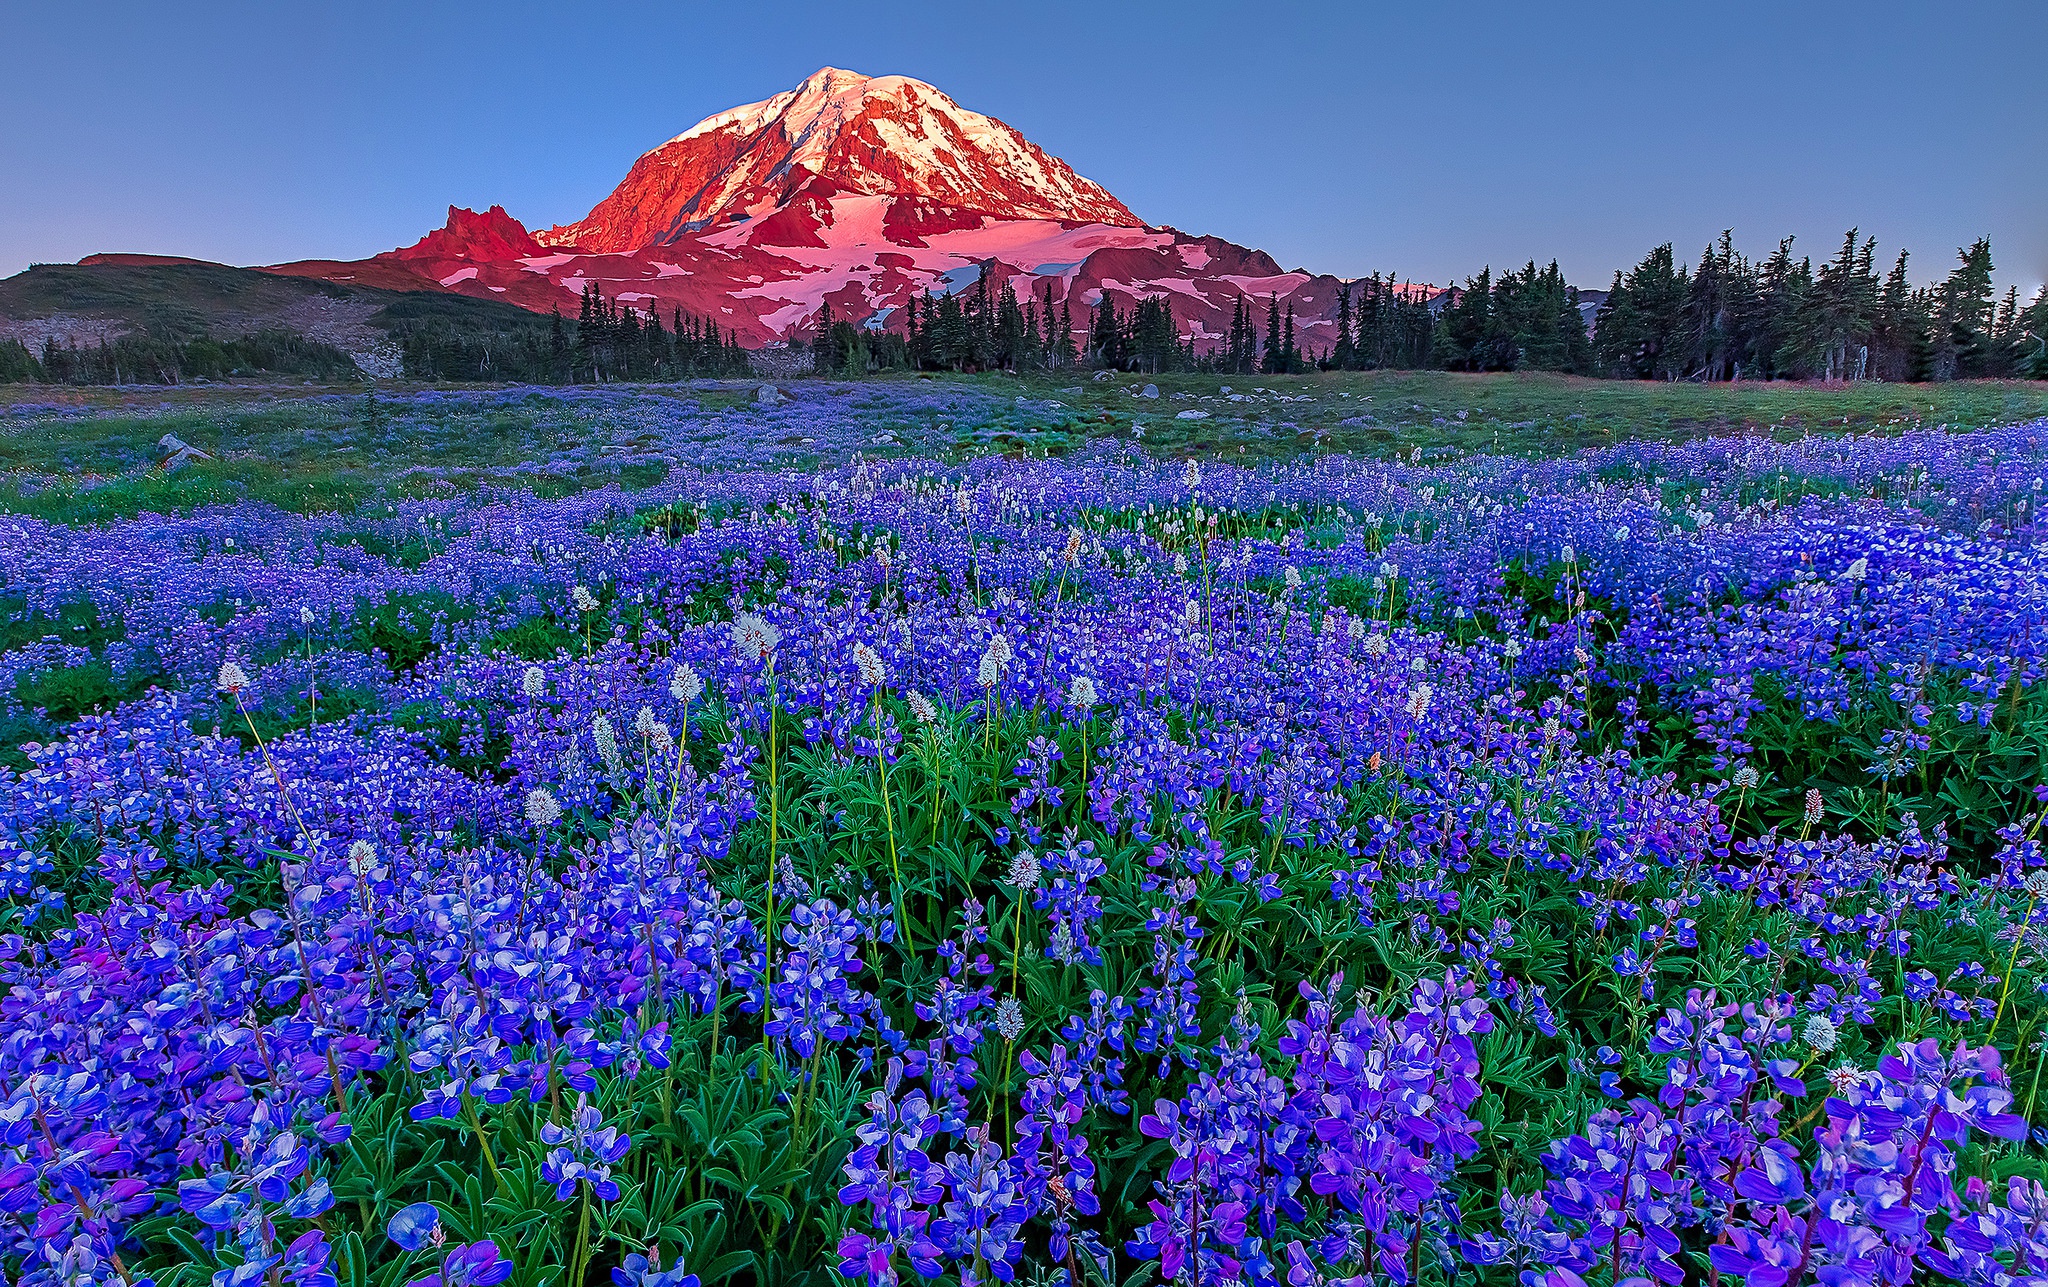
[1149, 391]
[1102, 375]
[768, 396]
[177, 453]
[1192, 415]
[386, 363]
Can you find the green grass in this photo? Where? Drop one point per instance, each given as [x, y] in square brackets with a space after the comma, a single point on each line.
[1531, 414]
[332, 448]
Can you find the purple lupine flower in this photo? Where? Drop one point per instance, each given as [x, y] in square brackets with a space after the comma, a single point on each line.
[583, 1153]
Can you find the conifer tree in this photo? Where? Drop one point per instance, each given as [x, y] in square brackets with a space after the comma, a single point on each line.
[1344, 355]
[1962, 317]
[1642, 324]
[654, 341]
[1007, 340]
[2005, 355]
[2033, 358]
[558, 347]
[1105, 334]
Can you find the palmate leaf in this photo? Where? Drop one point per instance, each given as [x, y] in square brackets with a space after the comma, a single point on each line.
[175, 1257]
[386, 1155]
[706, 1256]
[1510, 1061]
[524, 1215]
[656, 1213]
[349, 1261]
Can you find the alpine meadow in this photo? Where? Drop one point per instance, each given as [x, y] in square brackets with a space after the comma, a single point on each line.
[861, 715]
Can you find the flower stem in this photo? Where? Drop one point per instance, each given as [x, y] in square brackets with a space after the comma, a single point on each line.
[582, 1241]
[2005, 987]
[483, 1143]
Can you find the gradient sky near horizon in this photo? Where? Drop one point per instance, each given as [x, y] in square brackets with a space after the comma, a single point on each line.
[1427, 139]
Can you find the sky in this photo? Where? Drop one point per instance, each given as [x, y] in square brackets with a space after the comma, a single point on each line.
[1423, 139]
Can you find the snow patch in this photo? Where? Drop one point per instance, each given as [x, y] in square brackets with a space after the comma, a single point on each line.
[958, 279]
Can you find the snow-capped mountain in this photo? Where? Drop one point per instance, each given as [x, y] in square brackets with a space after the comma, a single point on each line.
[837, 134]
[861, 191]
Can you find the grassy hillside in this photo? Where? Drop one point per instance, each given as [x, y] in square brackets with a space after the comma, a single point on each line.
[172, 300]
[152, 317]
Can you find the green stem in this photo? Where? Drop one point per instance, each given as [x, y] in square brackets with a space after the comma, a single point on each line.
[582, 1241]
[1084, 767]
[882, 766]
[2005, 987]
[932, 744]
[1017, 942]
[483, 1143]
[774, 841]
[2029, 1114]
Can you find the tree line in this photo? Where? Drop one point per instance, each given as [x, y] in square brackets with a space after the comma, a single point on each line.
[149, 359]
[1727, 318]
[989, 328]
[436, 338]
[1732, 318]
[611, 341]
[976, 329]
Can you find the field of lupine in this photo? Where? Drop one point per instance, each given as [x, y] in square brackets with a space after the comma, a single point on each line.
[1623, 868]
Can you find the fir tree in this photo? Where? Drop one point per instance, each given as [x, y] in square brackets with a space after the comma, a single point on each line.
[1105, 334]
[558, 347]
[1962, 315]
[1344, 356]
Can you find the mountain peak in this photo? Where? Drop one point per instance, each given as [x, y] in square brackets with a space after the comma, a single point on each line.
[822, 89]
[490, 236]
[864, 193]
[838, 132]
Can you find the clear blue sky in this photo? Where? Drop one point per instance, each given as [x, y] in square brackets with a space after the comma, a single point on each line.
[1420, 137]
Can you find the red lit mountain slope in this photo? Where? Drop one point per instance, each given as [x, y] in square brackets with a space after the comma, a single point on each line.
[863, 191]
[837, 134]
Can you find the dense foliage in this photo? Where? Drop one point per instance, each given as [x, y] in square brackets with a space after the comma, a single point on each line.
[1734, 319]
[1731, 318]
[614, 341]
[157, 359]
[432, 337]
[1611, 869]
